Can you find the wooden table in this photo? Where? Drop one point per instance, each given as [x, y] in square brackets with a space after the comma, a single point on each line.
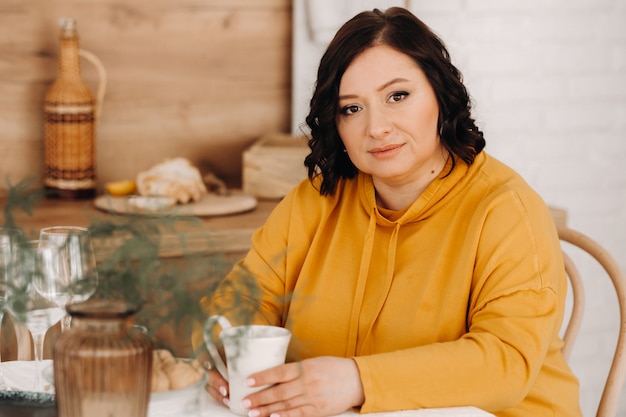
[195, 252]
[19, 375]
[227, 234]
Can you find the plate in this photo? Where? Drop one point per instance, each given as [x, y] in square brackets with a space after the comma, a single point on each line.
[30, 398]
[154, 204]
[209, 205]
[27, 404]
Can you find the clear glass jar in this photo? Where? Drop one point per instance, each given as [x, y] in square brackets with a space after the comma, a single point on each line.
[102, 366]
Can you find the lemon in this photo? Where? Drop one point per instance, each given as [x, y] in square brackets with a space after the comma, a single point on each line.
[121, 188]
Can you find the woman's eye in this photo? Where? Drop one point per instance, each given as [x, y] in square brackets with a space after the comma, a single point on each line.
[399, 96]
[348, 110]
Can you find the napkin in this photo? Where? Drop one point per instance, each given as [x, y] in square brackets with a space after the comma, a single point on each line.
[20, 375]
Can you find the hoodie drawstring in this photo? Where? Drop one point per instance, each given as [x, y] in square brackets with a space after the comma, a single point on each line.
[366, 258]
[359, 296]
[391, 263]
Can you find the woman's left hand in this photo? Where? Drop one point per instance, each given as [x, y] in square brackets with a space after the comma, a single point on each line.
[314, 387]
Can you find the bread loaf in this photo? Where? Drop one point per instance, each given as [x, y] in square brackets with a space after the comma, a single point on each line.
[176, 178]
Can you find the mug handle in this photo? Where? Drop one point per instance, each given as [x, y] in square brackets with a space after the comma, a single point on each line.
[208, 340]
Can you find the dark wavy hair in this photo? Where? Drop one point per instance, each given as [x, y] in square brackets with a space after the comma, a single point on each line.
[399, 29]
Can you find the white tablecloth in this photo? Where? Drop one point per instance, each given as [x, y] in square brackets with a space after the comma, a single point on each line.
[19, 375]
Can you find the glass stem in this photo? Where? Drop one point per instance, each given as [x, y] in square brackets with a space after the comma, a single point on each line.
[66, 321]
[1, 337]
[3, 384]
[38, 340]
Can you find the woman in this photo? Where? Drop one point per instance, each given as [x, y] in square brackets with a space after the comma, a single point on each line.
[412, 268]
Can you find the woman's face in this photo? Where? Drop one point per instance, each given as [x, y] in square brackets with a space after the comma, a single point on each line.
[388, 118]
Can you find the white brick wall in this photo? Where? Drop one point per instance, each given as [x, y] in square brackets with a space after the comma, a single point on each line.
[548, 82]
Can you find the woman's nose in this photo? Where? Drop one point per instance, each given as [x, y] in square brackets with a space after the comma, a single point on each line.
[378, 123]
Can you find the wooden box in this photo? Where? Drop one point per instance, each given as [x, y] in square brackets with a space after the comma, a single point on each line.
[274, 165]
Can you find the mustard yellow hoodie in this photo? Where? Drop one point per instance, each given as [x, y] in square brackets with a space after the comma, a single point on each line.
[456, 300]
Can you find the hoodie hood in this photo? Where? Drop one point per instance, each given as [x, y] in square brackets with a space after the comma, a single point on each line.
[447, 184]
[438, 192]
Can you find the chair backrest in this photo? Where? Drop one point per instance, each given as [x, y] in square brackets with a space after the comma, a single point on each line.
[617, 373]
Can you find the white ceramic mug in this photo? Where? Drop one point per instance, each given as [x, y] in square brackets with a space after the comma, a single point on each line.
[248, 349]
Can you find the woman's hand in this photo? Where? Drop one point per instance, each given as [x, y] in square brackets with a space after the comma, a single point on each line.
[314, 387]
[217, 387]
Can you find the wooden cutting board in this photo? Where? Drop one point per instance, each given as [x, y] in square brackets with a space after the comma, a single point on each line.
[209, 205]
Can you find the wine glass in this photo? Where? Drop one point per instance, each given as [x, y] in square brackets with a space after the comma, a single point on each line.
[40, 265]
[82, 279]
[9, 241]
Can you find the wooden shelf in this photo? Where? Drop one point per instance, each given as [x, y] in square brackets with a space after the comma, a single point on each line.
[176, 237]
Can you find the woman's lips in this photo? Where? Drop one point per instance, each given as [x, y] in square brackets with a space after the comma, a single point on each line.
[386, 151]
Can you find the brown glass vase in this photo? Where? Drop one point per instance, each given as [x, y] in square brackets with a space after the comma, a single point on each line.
[102, 367]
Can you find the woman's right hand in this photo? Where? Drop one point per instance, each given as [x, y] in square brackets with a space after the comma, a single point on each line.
[217, 387]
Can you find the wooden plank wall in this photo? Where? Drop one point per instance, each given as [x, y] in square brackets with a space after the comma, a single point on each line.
[201, 79]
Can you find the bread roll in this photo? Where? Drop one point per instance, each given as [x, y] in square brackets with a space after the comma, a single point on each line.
[182, 374]
[169, 373]
[163, 357]
[160, 381]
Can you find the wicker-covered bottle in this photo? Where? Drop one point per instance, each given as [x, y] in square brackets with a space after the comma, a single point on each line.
[69, 125]
[102, 366]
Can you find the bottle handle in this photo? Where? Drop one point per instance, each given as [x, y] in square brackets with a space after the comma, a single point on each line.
[102, 75]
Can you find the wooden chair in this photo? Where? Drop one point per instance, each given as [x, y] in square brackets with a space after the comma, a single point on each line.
[617, 373]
